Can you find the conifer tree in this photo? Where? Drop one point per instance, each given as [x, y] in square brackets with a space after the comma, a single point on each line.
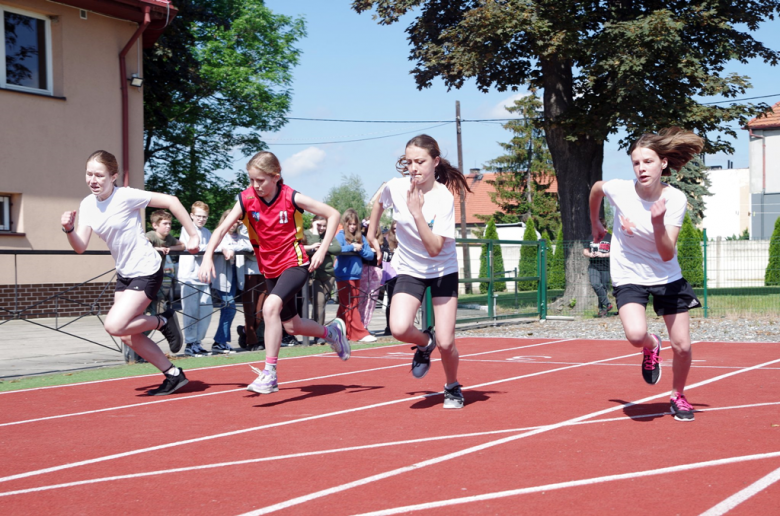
[556, 279]
[772, 274]
[528, 260]
[491, 233]
[694, 182]
[689, 253]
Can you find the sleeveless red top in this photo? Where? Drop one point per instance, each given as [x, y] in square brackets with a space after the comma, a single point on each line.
[275, 230]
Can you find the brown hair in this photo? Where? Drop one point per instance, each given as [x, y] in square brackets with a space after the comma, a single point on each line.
[351, 216]
[390, 238]
[107, 159]
[199, 204]
[159, 215]
[676, 145]
[267, 163]
[445, 173]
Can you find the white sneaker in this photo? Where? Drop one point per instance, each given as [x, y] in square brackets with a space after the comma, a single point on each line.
[368, 338]
[337, 338]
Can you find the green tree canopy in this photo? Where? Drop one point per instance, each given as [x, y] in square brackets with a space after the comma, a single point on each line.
[349, 194]
[602, 65]
[218, 76]
[491, 233]
[689, 253]
[772, 273]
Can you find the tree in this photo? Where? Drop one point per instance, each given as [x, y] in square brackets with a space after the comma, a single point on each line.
[772, 274]
[528, 258]
[689, 253]
[349, 194]
[491, 233]
[525, 173]
[602, 66]
[557, 277]
[218, 76]
[694, 182]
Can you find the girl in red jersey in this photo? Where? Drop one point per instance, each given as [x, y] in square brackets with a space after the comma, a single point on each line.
[273, 215]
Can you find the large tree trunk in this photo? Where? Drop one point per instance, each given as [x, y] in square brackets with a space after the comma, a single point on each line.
[578, 165]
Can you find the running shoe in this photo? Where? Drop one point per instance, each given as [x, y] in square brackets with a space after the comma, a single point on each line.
[201, 350]
[421, 362]
[223, 349]
[265, 383]
[682, 410]
[337, 338]
[170, 384]
[453, 398]
[191, 351]
[368, 338]
[651, 363]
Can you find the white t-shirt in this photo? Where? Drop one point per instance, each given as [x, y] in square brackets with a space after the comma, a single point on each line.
[117, 221]
[439, 210]
[634, 257]
[189, 265]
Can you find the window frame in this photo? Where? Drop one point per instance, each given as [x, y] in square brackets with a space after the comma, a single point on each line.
[5, 207]
[49, 66]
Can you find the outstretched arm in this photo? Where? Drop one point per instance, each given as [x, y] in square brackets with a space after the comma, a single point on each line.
[206, 272]
[172, 204]
[373, 225]
[323, 210]
[596, 196]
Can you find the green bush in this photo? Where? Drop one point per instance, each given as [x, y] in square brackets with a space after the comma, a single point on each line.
[689, 253]
[772, 274]
[527, 266]
[549, 248]
[491, 233]
[556, 278]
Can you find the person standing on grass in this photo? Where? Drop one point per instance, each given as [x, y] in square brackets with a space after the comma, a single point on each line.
[348, 270]
[273, 214]
[643, 261]
[598, 269]
[114, 215]
[224, 286]
[322, 280]
[424, 210]
[196, 304]
[370, 279]
[389, 243]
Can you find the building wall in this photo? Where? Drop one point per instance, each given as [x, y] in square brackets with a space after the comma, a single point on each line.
[727, 210]
[46, 140]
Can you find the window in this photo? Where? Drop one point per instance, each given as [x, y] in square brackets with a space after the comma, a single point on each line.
[25, 58]
[5, 213]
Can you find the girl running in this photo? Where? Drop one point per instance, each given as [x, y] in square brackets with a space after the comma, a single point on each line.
[424, 210]
[273, 215]
[114, 214]
[643, 261]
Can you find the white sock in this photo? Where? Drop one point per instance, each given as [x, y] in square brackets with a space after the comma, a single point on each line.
[164, 321]
[270, 367]
[173, 371]
[451, 385]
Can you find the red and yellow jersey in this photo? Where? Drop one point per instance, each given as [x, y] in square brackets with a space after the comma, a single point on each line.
[275, 230]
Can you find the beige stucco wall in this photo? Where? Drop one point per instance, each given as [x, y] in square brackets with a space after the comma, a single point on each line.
[45, 141]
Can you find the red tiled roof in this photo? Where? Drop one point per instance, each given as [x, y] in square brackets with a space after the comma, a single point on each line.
[771, 121]
[478, 202]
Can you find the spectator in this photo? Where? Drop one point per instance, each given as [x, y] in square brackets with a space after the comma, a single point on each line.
[195, 294]
[323, 279]
[389, 243]
[370, 280]
[224, 285]
[598, 269]
[163, 242]
[348, 269]
[253, 294]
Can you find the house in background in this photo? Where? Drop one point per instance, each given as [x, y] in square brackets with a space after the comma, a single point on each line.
[727, 212]
[70, 84]
[764, 173]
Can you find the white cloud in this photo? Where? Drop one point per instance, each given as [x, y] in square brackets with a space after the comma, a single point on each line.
[302, 162]
[499, 110]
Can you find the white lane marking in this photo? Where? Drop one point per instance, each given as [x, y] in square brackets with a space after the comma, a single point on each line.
[169, 400]
[436, 460]
[355, 448]
[573, 483]
[739, 497]
[272, 425]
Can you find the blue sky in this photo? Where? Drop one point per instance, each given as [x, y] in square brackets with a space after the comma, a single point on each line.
[353, 68]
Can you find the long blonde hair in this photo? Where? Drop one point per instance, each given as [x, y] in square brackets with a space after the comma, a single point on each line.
[351, 216]
[676, 145]
[267, 163]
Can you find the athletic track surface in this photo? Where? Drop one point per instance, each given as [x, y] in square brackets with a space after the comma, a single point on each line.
[550, 426]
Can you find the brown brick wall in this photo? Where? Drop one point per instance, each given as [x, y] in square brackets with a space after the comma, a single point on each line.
[52, 300]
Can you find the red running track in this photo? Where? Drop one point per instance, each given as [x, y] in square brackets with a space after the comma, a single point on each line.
[549, 426]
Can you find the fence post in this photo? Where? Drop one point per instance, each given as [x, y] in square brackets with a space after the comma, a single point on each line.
[542, 280]
[706, 303]
[515, 282]
[490, 278]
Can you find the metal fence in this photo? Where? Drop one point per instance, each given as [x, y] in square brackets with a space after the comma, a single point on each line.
[730, 281]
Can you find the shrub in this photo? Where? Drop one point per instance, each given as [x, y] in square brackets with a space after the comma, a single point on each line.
[689, 253]
[491, 233]
[556, 279]
[772, 274]
[527, 266]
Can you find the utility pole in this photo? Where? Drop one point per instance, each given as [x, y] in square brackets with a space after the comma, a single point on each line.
[463, 232]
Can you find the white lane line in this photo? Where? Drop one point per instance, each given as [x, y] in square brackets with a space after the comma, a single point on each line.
[381, 476]
[319, 453]
[281, 423]
[739, 497]
[574, 483]
[170, 400]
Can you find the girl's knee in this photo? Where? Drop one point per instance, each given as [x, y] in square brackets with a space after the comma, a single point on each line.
[114, 327]
[636, 337]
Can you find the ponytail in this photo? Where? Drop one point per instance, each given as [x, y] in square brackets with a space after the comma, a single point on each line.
[445, 173]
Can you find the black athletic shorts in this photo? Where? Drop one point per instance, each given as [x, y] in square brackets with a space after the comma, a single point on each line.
[286, 286]
[673, 298]
[444, 286]
[149, 284]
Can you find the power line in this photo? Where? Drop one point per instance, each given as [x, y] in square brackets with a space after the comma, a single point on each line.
[366, 139]
[740, 100]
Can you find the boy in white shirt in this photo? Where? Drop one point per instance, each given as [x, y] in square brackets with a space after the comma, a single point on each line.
[195, 294]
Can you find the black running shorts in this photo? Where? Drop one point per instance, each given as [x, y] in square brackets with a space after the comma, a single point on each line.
[286, 286]
[444, 286]
[673, 298]
[150, 285]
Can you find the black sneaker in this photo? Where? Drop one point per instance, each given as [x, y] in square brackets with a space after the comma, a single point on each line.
[170, 385]
[421, 362]
[170, 330]
[682, 410]
[453, 398]
[651, 363]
